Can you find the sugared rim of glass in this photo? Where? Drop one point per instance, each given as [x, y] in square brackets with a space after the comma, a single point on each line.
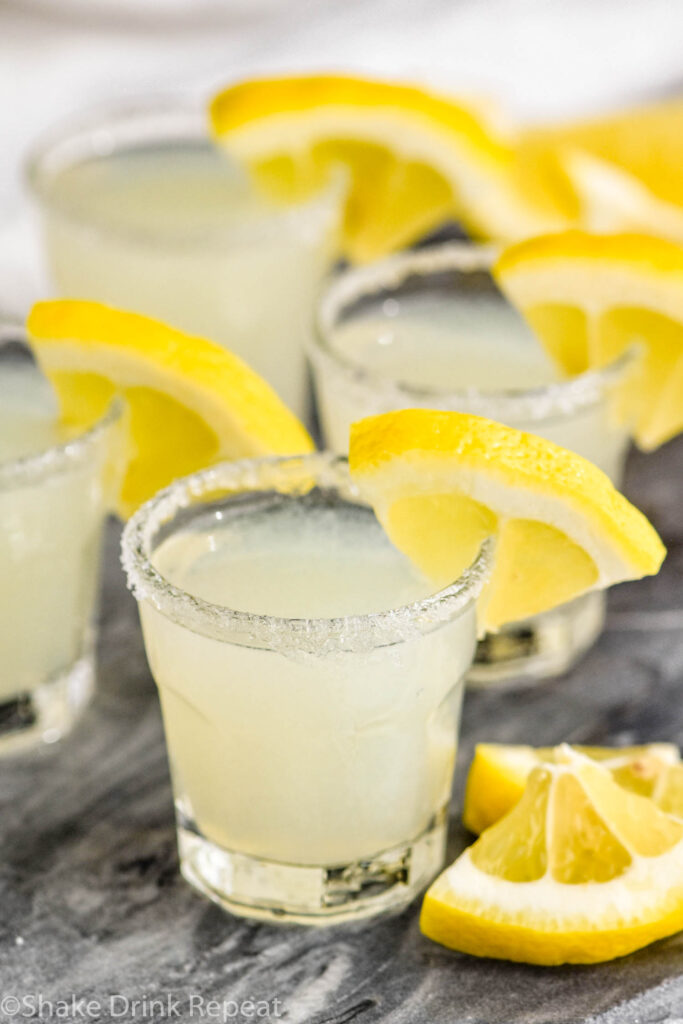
[58, 458]
[314, 636]
[102, 131]
[379, 392]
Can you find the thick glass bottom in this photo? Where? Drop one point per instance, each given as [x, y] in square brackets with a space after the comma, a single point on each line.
[539, 648]
[47, 713]
[295, 894]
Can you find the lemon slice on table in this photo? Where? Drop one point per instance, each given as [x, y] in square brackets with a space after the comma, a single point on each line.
[499, 773]
[190, 401]
[414, 158]
[623, 172]
[441, 482]
[590, 297]
[579, 871]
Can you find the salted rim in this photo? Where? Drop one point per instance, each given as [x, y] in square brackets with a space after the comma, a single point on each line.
[59, 458]
[378, 392]
[313, 635]
[101, 131]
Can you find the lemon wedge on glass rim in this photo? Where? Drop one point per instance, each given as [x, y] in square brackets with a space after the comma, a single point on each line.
[189, 401]
[590, 297]
[579, 871]
[441, 482]
[499, 772]
[415, 158]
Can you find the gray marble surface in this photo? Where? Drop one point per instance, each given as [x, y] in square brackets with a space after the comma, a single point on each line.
[93, 907]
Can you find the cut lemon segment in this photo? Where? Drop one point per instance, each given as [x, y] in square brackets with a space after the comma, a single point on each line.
[499, 773]
[590, 297]
[612, 199]
[623, 172]
[579, 871]
[441, 482]
[190, 401]
[414, 158]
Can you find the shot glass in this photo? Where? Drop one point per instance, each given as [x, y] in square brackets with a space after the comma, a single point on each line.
[141, 210]
[414, 331]
[311, 756]
[53, 505]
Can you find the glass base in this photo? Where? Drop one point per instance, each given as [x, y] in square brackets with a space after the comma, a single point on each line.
[540, 648]
[47, 713]
[293, 894]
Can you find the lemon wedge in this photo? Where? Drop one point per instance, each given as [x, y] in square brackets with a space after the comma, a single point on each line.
[414, 158]
[190, 401]
[441, 482]
[623, 172]
[590, 297]
[499, 773]
[579, 871]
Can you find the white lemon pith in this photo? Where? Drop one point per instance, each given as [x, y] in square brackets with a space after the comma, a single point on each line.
[590, 298]
[499, 772]
[441, 482]
[414, 158]
[579, 871]
[190, 401]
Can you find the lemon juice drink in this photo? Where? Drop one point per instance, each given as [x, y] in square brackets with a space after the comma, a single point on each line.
[52, 506]
[430, 329]
[310, 683]
[142, 211]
